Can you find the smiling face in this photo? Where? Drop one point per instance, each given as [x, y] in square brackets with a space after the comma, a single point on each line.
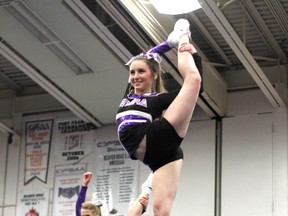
[141, 77]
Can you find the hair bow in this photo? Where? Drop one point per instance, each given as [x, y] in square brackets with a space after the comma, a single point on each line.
[148, 55]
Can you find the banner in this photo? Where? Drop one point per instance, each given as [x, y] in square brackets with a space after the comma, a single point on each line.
[73, 139]
[33, 202]
[67, 182]
[37, 149]
[116, 176]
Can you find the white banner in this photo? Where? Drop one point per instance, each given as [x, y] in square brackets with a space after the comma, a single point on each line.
[73, 139]
[37, 149]
[116, 178]
[67, 182]
[33, 202]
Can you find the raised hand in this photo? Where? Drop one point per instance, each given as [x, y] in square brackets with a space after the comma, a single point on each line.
[87, 178]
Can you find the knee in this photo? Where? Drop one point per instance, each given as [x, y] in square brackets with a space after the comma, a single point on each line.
[194, 80]
[197, 78]
[159, 209]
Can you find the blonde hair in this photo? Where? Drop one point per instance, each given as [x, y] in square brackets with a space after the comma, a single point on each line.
[93, 207]
[155, 67]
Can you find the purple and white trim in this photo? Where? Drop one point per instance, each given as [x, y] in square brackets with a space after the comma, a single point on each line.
[131, 117]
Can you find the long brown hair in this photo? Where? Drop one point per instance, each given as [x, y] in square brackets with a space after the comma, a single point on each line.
[155, 67]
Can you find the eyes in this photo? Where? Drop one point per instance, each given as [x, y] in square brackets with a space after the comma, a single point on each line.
[140, 71]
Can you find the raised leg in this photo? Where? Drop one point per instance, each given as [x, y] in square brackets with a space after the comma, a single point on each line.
[180, 111]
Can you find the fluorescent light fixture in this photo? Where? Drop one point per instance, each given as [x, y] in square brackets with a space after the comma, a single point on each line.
[174, 7]
[97, 27]
[53, 90]
[47, 37]
[7, 130]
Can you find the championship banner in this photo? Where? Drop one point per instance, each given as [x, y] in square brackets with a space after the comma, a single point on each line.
[37, 149]
[73, 139]
[33, 202]
[116, 178]
[67, 182]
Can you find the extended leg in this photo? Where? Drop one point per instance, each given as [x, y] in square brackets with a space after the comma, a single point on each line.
[180, 111]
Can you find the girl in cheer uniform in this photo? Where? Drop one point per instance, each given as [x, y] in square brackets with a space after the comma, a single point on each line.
[147, 132]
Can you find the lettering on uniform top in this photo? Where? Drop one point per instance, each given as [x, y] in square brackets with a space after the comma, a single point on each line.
[141, 102]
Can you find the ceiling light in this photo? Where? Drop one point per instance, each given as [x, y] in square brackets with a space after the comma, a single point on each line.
[174, 7]
[47, 37]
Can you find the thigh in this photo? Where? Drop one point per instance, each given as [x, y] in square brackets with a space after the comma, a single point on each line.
[180, 111]
[165, 184]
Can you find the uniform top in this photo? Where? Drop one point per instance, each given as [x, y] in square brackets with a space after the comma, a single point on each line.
[135, 109]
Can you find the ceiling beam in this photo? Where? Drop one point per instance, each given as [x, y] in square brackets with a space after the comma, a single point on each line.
[117, 14]
[25, 15]
[264, 30]
[279, 13]
[96, 27]
[211, 40]
[231, 37]
[4, 128]
[9, 82]
[42, 81]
